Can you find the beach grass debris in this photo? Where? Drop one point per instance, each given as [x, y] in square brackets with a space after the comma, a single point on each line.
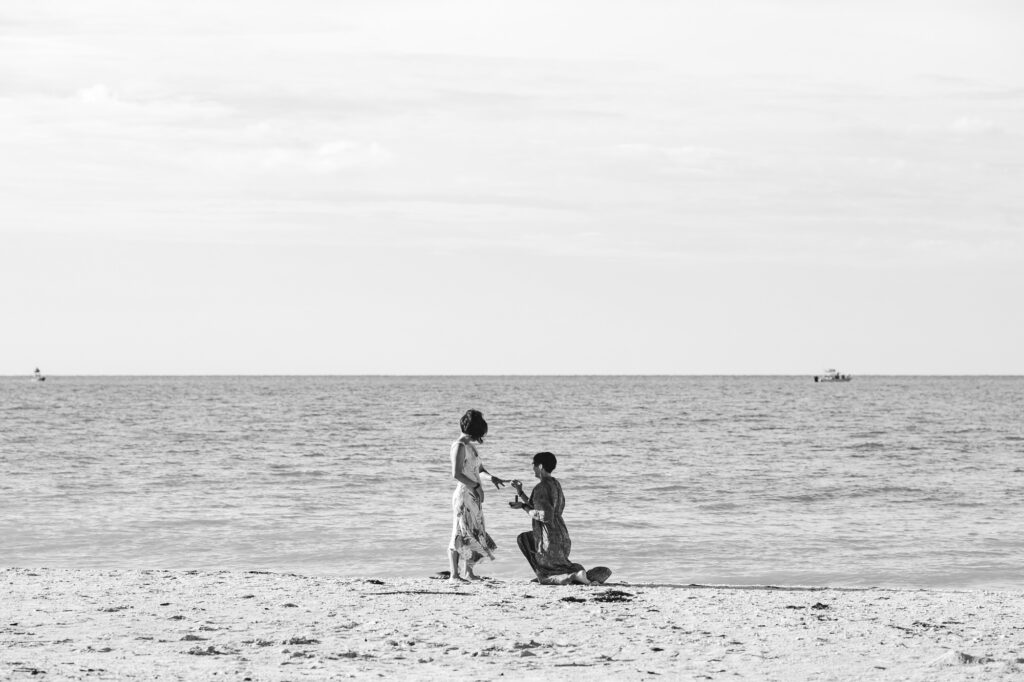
[301, 640]
[614, 596]
[258, 642]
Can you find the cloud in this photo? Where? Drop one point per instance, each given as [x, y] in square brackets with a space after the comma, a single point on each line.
[97, 94]
[330, 157]
[101, 95]
[967, 125]
[674, 159]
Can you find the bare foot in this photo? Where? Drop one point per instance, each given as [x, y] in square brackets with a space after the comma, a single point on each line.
[456, 579]
[580, 577]
[474, 576]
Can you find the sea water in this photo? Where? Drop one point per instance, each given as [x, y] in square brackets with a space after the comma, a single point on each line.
[886, 481]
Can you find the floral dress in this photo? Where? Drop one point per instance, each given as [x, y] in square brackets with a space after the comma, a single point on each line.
[469, 536]
[547, 546]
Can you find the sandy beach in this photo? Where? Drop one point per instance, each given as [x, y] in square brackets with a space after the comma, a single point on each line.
[78, 624]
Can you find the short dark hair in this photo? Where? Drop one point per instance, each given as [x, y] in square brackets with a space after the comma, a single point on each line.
[546, 460]
[473, 425]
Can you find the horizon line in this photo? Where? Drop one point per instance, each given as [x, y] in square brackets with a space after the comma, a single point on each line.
[505, 374]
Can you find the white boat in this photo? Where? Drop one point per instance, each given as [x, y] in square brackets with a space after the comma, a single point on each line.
[831, 375]
[38, 376]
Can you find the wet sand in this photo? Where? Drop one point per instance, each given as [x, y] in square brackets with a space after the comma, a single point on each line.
[83, 624]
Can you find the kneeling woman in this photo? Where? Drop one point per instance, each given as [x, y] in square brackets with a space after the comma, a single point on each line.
[547, 546]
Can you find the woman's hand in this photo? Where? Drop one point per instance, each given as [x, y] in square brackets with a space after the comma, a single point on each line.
[498, 482]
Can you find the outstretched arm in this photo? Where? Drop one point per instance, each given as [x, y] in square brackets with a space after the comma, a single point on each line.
[498, 482]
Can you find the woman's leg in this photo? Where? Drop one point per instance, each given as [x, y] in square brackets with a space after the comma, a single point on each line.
[453, 565]
[580, 577]
[453, 554]
[528, 546]
[471, 562]
[577, 578]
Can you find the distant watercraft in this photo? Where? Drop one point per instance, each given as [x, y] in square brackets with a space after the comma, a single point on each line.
[38, 376]
[831, 375]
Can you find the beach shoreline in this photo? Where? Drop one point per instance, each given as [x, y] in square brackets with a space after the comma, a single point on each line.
[258, 625]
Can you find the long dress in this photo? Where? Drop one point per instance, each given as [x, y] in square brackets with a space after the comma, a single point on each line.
[547, 546]
[469, 535]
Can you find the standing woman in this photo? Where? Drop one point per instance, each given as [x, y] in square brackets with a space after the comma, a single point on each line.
[470, 540]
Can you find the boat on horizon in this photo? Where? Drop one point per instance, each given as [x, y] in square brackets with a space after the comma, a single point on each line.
[38, 376]
[830, 376]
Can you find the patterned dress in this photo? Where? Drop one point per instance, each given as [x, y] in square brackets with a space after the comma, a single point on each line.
[547, 546]
[469, 536]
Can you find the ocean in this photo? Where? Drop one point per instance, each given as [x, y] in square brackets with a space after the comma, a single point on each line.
[909, 482]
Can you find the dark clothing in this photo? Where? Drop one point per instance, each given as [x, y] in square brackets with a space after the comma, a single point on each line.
[547, 546]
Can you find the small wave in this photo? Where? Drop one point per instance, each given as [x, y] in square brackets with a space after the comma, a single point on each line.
[300, 473]
[891, 493]
[805, 497]
[719, 506]
[869, 445]
[666, 489]
[888, 489]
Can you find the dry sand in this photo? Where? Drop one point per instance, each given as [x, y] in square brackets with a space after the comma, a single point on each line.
[73, 624]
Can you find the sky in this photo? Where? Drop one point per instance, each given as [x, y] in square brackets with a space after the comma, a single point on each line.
[481, 187]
